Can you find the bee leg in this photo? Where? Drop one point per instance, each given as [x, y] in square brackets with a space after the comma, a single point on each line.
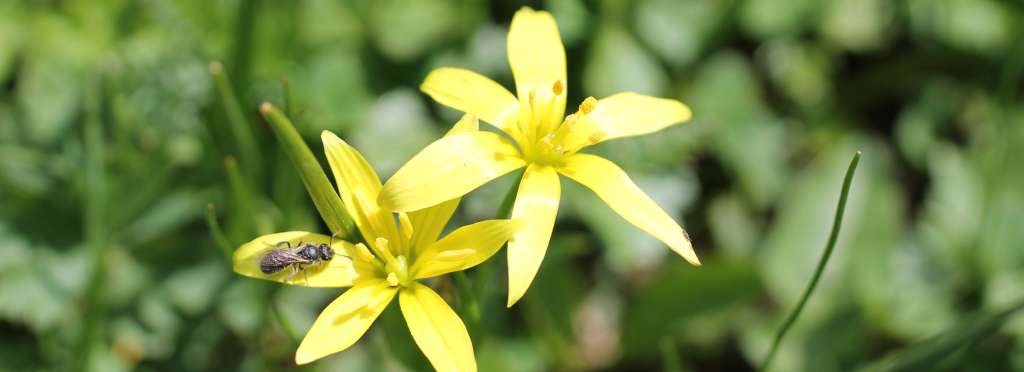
[306, 273]
[290, 275]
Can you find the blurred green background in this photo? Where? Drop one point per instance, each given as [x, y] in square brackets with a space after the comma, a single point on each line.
[114, 137]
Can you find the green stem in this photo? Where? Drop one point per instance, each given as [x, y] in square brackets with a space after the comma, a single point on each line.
[821, 264]
[483, 271]
[470, 307]
[243, 201]
[285, 325]
[217, 233]
[241, 130]
[326, 199]
[95, 211]
[670, 361]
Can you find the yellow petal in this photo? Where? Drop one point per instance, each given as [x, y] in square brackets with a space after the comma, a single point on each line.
[615, 188]
[338, 272]
[345, 320]
[537, 56]
[354, 176]
[437, 330]
[429, 222]
[537, 202]
[628, 114]
[468, 123]
[448, 168]
[484, 238]
[471, 92]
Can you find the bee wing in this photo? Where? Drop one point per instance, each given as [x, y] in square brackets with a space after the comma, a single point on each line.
[277, 257]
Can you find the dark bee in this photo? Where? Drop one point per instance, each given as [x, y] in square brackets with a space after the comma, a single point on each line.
[277, 259]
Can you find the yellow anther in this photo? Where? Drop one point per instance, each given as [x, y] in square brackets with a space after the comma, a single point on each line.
[570, 121]
[557, 88]
[519, 124]
[406, 224]
[364, 253]
[595, 137]
[533, 94]
[545, 142]
[453, 256]
[392, 279]
[588, 105]
[382, 247]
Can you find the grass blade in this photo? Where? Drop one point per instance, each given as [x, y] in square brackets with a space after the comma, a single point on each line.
[821, 264]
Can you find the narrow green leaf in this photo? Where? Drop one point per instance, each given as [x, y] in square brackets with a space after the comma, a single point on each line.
[324, 196]
[483, 271]
[243, 200]
[670, 361]
[470, 309]
[821, 264]
[241, 129]
[226, 248]
[927, 354]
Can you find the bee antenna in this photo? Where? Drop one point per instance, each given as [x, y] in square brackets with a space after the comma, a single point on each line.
[331, 244]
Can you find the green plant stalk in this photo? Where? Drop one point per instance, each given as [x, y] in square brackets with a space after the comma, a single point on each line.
[470, 307]
[95, 210]
[483, 271]
[821, 265]
[226, 248]
[285, 325]
[243, 200]
[326, 199]
[241, 130]
[669, 356]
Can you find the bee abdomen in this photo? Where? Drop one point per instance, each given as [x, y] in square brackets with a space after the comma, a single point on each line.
[267, 269]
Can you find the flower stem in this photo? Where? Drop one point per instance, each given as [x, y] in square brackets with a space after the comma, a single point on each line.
[669, 355]
[483, 271]
[326, 199]
[821, 264]
[218, 234]
[241, 130]
[470, 307]
[94, 222]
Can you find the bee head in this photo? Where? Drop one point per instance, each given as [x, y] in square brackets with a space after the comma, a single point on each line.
[326, 253]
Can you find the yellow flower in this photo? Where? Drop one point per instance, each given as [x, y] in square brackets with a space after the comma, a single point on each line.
[397, 256]
[547, 145]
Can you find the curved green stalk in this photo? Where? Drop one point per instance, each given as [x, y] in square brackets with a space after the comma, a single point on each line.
[821, 264]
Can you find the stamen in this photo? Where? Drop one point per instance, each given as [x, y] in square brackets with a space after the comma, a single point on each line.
[570, 121]
[595, 137]
[356, 304]
[382, 247]
[533, 94]
[392, 280]
[367, 210]
[588, 105]
[545, 142]
[519, 124]
[406, 224]
[364, 253]
[453, 256]
[557, 88]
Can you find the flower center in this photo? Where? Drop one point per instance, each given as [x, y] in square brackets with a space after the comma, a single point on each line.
[396, 267]
[545, 143]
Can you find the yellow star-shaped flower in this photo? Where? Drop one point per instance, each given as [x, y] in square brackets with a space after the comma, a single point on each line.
[398, 257]
[547, 145]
